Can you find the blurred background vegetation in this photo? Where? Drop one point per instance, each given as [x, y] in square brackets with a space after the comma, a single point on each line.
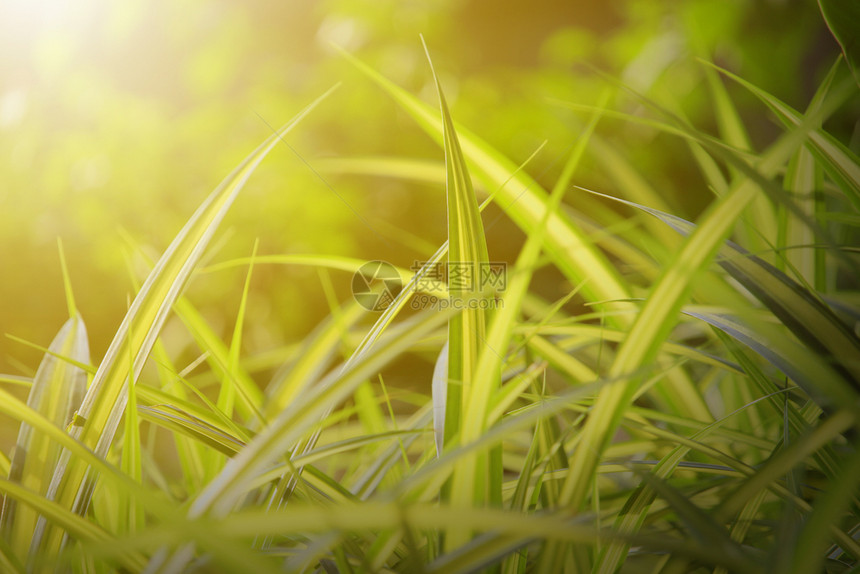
[118, 118]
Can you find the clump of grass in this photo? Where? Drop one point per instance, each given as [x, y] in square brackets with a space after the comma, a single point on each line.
[703, 422]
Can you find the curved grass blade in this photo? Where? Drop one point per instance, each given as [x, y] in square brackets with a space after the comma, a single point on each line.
[301, 416]
[843, 19]
[57, 390]
[317, 352]
[653, 325]
[217, 355]
[840, 163]
[175, 419]
[828, 510]
[348, 264]
[103, 406]
[521, 197]
[805, 130]
[805, 314]
[77, 526]
[799, 363]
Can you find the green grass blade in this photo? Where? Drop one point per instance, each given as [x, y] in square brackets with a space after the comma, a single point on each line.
[520, 196]
[654, 323]
[130, 510]
[704, 529]
[218, 355]
[634, 512]
[479, 397]
[467, 255]
[104, 403]
[803, 312]
[840, 163]
[67, 282]
[56, 393]
[181, 422]
[227, 394]
[828, 510]
[77, 526]
[301, 416]
[796, 361]
[802, 180]
[843, 19]
[785, 460]
[316, 355]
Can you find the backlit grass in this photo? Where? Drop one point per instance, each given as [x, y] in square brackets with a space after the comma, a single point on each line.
[696, 410]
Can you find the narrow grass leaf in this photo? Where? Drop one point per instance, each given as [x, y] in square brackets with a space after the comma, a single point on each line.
[316, 355]
[176, 420]
[79, 527]
[56, 394]
[843, 19]
[808, 317]
[467, 260]
[704, 528]
[104, 403]
[237, 477]
[829, 509]
[654, 323]
[520, 196]
[840, 163]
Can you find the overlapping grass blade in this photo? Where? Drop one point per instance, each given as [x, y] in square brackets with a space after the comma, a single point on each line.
[79, 527]
[104, 403]
[14, 408]
[843, 19]
[762, 226]
[521, 197]
[634, 513]
[840, 163]
[655, 321]
[784, 460]
[704, 529]
[56, 393]
[218, 356]
[804, 313]
[301, 416]
[796, 361]
[317, 354]
[809, 555]
[174, 419]
[478, 401]
[467, 260]
[227, 394]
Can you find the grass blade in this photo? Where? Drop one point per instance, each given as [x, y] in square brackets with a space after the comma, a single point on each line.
[843, 19]
[104, 403]
[840, 163]
[654, 323]
[467, 258]
[521, 197]
[57, 390]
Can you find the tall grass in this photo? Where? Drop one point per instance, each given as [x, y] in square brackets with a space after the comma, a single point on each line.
[704, 421]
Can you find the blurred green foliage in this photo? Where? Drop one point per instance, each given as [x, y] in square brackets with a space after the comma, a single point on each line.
[116, 119]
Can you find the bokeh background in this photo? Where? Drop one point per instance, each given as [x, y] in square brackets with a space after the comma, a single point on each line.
[118, 118]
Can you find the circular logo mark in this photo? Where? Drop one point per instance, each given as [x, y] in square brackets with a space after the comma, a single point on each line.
[375, 285]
